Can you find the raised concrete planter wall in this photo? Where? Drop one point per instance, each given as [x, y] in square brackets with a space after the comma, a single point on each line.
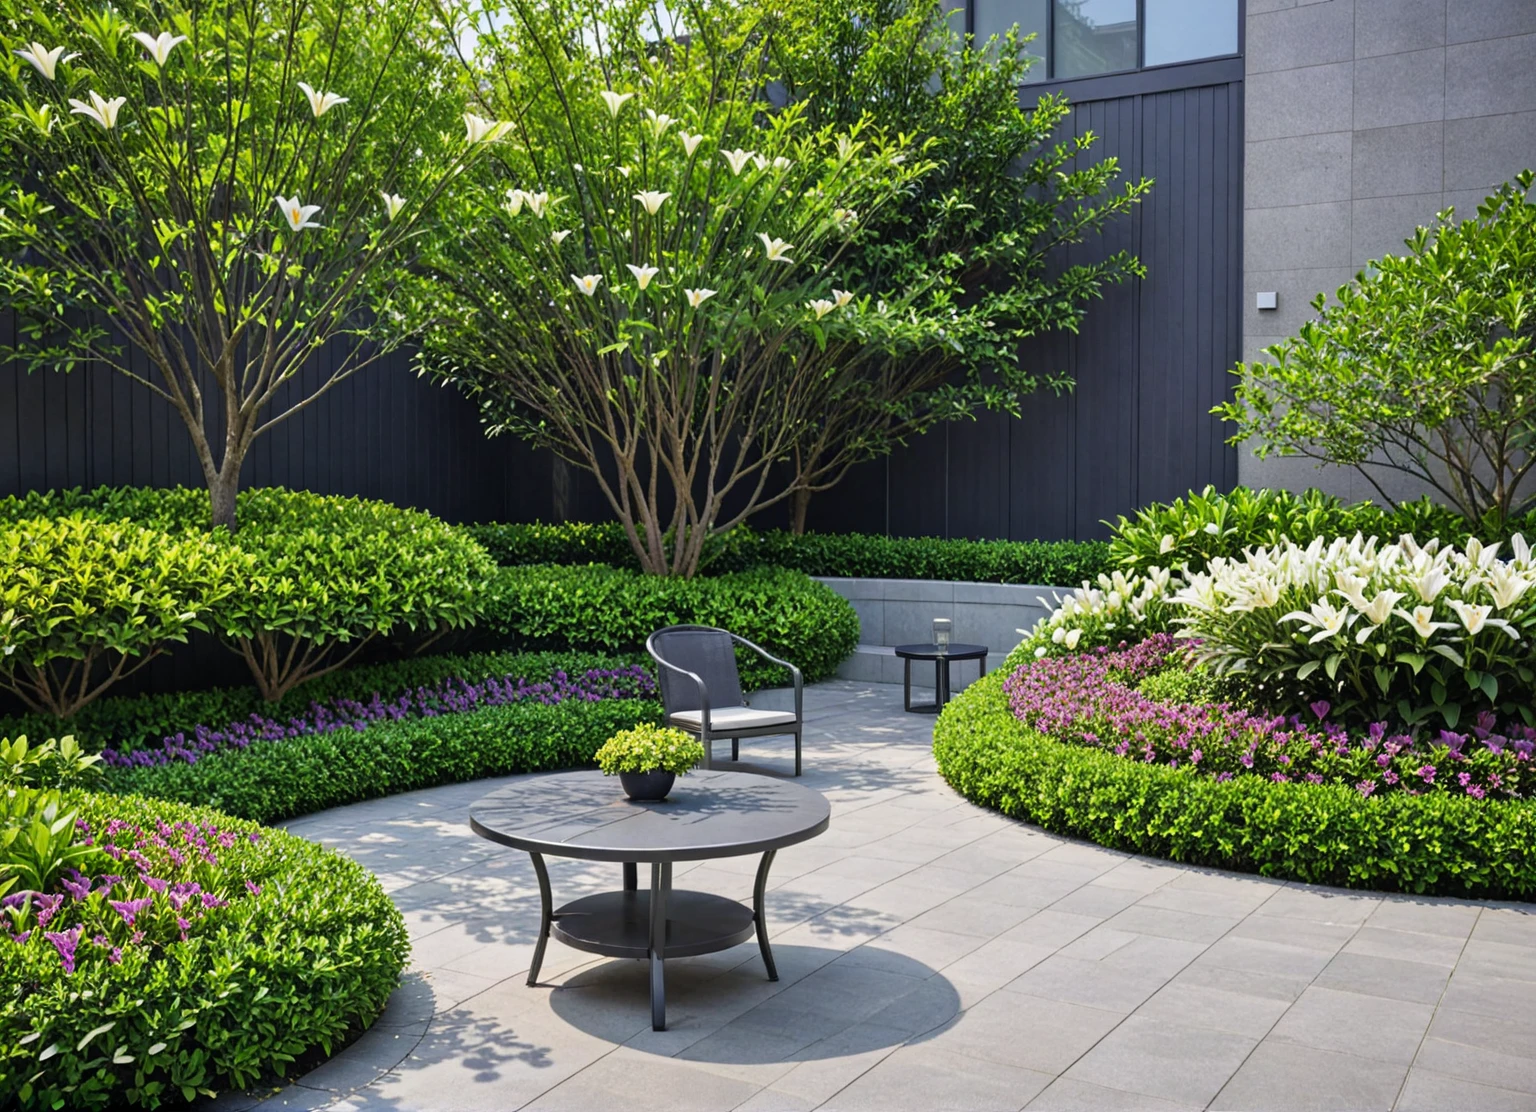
[901, 612]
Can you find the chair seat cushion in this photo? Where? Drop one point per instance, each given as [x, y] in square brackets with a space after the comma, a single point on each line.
[722, 720]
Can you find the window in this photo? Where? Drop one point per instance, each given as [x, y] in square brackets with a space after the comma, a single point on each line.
[1080, 38]
[1180, 30]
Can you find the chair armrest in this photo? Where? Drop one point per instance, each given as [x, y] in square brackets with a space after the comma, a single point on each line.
[793, 671]
[698, 682]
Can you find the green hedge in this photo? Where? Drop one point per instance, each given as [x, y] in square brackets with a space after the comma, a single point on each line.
[1053, 563]
[306, 955]
[138, 721]
[1321, 834]
[599, 608]
[275, 780]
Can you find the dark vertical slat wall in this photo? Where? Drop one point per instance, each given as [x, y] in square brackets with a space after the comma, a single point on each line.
[1152, 359]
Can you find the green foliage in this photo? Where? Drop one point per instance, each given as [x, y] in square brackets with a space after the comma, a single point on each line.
[55, 763]
[1193, 530]
[84, 603]
[1439, 843]
[859, 555]
[1426, 365]
[650, 748]
[1192, 685]
[309, 952]
[320, 576]
[38, 841]
[607, 609]
[228, 226]
[274, 780]
[987, 229]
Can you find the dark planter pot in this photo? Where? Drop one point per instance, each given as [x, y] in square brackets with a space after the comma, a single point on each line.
[647, 787]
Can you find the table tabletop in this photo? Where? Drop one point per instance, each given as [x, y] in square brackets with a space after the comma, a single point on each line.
[955, 651]
[708, 814]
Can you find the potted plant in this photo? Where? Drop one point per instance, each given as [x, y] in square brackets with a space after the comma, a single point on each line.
[648, 758]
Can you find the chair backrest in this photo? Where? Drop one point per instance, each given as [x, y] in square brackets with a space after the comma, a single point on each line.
[708, 653]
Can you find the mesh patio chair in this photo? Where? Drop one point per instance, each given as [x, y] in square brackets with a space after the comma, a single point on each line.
[701, 689]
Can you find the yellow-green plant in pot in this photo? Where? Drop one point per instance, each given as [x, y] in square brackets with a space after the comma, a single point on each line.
[648, 759]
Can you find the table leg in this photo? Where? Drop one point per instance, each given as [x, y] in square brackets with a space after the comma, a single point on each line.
[906, 684]
[940, 683]
[760, 913]
[631, 877]
[545, 916]
[661, 884]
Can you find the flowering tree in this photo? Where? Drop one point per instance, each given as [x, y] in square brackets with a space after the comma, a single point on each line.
[645, 277]
[1426, 365]
[226, 189]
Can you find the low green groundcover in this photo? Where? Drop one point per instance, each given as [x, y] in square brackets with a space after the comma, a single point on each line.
[190, 953]
[1446, 841]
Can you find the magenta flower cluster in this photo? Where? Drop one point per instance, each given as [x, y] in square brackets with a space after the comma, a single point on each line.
[455, 696]
[163, 881]
[1092, 699]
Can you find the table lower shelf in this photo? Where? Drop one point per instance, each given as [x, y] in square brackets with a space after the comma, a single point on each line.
[618, 924]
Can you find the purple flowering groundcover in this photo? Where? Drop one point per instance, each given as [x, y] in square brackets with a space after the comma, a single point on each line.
[1091, 699]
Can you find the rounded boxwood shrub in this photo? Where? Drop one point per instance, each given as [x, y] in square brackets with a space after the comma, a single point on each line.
[86, 602]
[611, 609]
[1443, 842]
[194, 953]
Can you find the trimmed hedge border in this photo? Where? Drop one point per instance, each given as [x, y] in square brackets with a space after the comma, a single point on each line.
[861, 555]
[1321, 834]
[307, 955]
[275, 780]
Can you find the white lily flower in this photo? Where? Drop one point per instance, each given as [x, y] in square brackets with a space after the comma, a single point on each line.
[1072, 638]
[652, 200]
[658, 122]
[698, 297]
[643, 274]
[103, 111]
[614, 101]
[478, 130]
[297, 215]
[1431, 583]
[45, 61]
[1505, 585]
[760, 161]
[557, 238]
[736, 159]
[1351, 589]
[821, 307]
[782, 163]
[1472, 616]
[321, 102]
[776, 248]
[1165, 546]
[841, 297]
[690, 143]
[514, 201]
[1379, 609]
[393, 203]
[587, 283]
[1422, 620]
[159, 46]
[539, 203]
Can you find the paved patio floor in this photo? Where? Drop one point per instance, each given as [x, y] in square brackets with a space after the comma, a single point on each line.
[933, 955]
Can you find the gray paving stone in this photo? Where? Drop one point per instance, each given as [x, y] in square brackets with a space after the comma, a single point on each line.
[1067, 1095]
[928, 1077]
[1390, 977]
[1167, 1060]
[1214, 1009]
[1282, 1078]
[1366, 1026]
[1427, 1091]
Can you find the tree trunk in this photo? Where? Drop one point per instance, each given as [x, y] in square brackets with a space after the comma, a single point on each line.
[222, 490]
[799, 503]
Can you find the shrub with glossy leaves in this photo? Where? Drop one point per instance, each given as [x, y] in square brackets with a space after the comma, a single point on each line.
[212, 954]
[85, 602]
[648, 747]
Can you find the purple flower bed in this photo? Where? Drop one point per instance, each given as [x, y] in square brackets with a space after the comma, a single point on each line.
[1090, 699]
[448, 697]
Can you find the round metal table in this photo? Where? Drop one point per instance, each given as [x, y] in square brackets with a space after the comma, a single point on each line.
[941, 658]
[709, 814]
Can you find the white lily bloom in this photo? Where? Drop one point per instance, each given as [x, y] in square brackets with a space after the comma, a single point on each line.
[478, 130]
[643, 274]
[103, 111]
[821, 307]
[1505, 585]
[557, 238]
[1431, 583]
[698, 297]
[614, 101]
[393, 203]
[1472, 616]
[587, 283]
[45, 61]
[1165, 546]
[782, 163]
[321, 102]
[1379, 609]
[776, 248]
[297, 215]
[514, 201]
[736, 159]
[658, 122]
[1422, 620]
[1072, 638]
[652, 200]
[841, 297]
[690, 143]
[158, 47]
[539, 203]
